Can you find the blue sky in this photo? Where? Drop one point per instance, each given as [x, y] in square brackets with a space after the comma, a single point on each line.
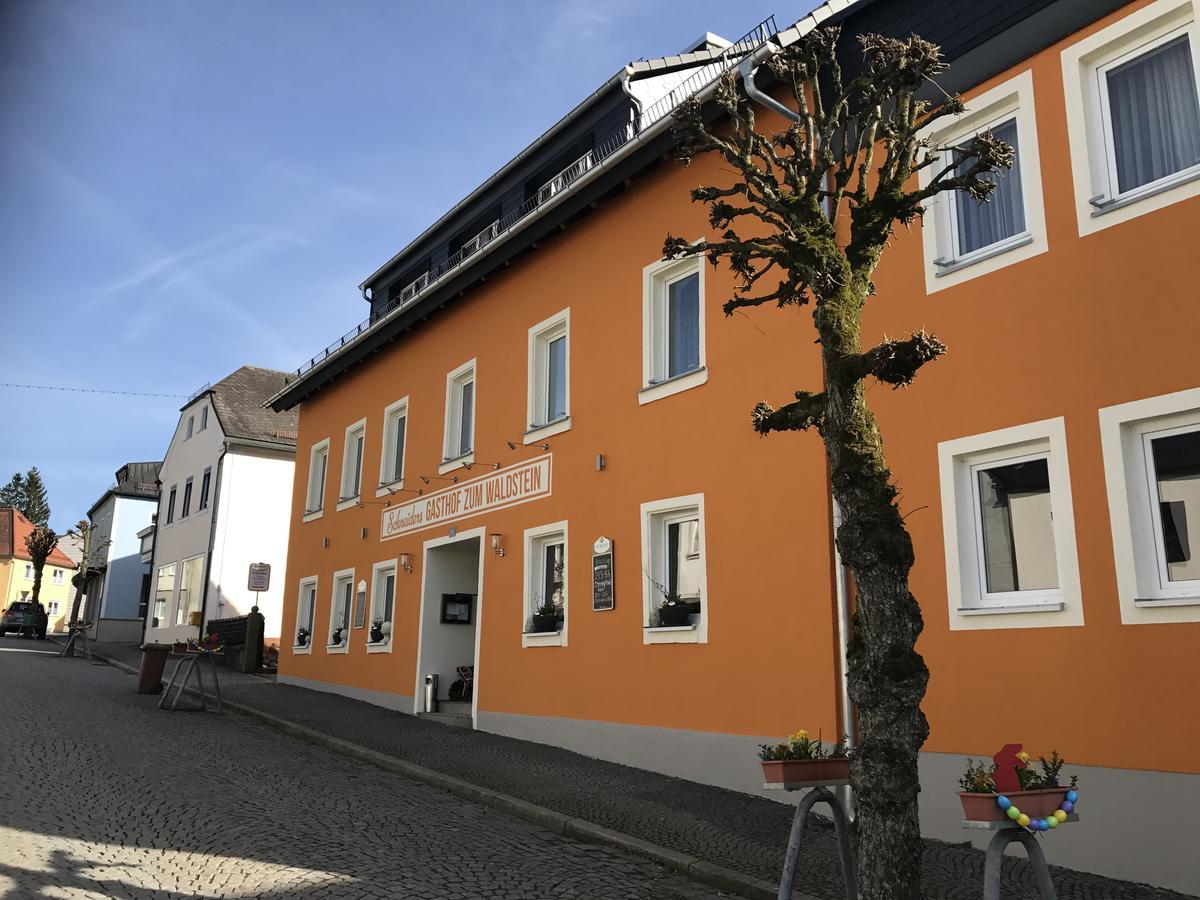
[188, 187]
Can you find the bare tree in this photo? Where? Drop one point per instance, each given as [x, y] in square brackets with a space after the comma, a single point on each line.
[40, 542]
[805, 220]
[84, 532]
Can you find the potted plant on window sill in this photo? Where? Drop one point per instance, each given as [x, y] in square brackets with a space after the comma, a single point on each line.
[379, 631]
[302, 635]
[1033, 796]
[546, 618]
[803, 761]
[335, 639]
[675, 611]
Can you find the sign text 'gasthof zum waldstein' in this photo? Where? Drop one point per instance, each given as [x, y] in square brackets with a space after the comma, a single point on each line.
[507, 487]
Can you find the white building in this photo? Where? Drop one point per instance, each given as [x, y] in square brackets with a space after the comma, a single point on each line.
[119, 583]
[225, 501]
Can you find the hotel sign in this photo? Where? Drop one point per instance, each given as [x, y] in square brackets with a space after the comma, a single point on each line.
[506, 487]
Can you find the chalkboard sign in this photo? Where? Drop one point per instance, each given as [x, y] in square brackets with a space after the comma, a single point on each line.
[360, 607]
[602, 581]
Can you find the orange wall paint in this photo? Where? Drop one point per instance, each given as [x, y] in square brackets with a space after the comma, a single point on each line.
[1048, 337]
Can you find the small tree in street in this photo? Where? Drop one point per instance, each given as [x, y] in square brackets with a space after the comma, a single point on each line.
[40, 543]
[849, 155]
[84, 532]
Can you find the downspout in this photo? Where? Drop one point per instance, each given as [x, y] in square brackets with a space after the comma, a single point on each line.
[212, 534]
[748, 68]
[637, 104]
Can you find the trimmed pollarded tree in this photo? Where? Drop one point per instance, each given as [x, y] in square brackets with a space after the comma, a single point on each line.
[40, 543]
[804, 220]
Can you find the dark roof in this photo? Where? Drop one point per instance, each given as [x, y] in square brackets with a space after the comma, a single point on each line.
[238, 399]
[138, 480]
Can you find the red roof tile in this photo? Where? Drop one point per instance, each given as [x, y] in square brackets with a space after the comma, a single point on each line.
[22, 528]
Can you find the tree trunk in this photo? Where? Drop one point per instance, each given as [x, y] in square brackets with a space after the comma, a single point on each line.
[886, 676]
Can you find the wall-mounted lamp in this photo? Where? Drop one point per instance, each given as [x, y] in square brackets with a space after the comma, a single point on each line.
[406, 562]
[453, 479]
[513, 445]
[498, 544]
[468, 466]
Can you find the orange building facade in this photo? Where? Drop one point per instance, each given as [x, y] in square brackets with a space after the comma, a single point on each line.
[577, 450]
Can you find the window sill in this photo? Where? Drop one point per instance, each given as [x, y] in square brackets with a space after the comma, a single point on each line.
[311, 515]
[1104, 204]
[540, 432]
[674, 634]
[389, 488]
[449, 465]
[660, 389]
[379, 647]
[348, 503]
[337, 648]
[949, 266]
[543, 639]
[301, 651]
[1055, 606]
[1151, 602]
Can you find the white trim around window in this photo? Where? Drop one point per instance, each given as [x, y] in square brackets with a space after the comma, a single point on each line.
[537, 540]
[341, 601]
[354, 451]
[1036, 452]
[394, 452]
[306, 613]
[664, 373]
[462, 407]
[548, 406]
[657, 517]
[1145, 590]
[381, 573]
[1005, 105]
[318, 475]
[1099, 201]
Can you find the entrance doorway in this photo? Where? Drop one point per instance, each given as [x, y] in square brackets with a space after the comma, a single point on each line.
[451, 590]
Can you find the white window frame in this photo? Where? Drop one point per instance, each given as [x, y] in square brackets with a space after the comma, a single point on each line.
[1132, 504]
[970, 606]
[205, 489]
[656, 278]
[342, 576]
[535, 541]
[185, 508]
[346, 482]
[655, 516]
[944, 268]
[314, 451]
[455, 380]
[56, 576]
[52, 607]
[313, 583]
[170, 501]
[164, 621]
[29, 573]
[1097, 203]
[540, 337]
[378, 571]
[203, 418]
[175, 623]
[387, 484]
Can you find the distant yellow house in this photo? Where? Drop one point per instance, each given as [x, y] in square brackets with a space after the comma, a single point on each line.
[16, 571]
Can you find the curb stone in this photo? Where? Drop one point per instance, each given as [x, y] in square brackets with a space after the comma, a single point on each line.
[698, 870]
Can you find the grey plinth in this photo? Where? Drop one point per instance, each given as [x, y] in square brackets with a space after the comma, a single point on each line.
[1009, 832]
[817, 793]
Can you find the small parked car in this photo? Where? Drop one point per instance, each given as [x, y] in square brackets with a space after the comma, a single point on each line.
[25, 617]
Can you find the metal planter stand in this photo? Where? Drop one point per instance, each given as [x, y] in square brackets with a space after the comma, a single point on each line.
[818, 793]
[1009, 832]
[189, 665]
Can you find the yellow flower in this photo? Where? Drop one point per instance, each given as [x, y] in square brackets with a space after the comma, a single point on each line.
[799, 736]
[1023, 757]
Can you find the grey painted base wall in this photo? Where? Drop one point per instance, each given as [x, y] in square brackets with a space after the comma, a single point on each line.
[398, 702]
[118, 631]
[1136, 826]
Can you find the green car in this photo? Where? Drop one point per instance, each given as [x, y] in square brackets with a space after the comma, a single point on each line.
[25, 617]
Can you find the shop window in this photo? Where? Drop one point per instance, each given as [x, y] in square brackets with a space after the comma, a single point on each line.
[339, 612]
[1133, 103]
[675, 575]
[383, 606]
[191, 592]
[545, 606]
[1009, 529]
[395, 436]
[306, 608]
[318, 465]
[1152, 468]
[352, 464]
[460, 417]
[164, 593]
[549, 377]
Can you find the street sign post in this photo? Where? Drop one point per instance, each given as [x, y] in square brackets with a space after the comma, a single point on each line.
[259, 580]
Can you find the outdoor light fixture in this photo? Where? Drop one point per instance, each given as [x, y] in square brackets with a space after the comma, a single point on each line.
[406, 562]
[453, 479]
[498, 544]
[468, 466]
[513, 445]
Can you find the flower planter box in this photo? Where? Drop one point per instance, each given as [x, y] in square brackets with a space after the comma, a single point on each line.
[1035, 804]
[673, 616]
[545, 624]
[807, 771]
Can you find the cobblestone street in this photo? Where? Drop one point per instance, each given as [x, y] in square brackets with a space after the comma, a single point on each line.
[105, 796]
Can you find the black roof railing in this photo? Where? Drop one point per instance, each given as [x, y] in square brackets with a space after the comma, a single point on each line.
[701, 78]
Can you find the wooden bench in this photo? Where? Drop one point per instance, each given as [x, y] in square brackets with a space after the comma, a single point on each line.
[242, 637]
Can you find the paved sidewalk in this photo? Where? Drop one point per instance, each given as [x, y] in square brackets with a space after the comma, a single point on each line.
[731, 830]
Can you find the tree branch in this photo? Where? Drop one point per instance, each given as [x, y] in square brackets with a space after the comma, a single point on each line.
[807, 411]
[895, 362]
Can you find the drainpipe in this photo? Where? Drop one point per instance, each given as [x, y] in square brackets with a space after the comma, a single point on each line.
[748, 68]
[637, 104]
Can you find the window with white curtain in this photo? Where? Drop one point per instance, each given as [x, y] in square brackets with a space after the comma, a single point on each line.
[460, 415]
[1151, 113]
[978, 225]
[352, 462]
[306, 607]
[673, 327]
[549, 372]
[395, 436]
[339, 611]
[318, 464]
